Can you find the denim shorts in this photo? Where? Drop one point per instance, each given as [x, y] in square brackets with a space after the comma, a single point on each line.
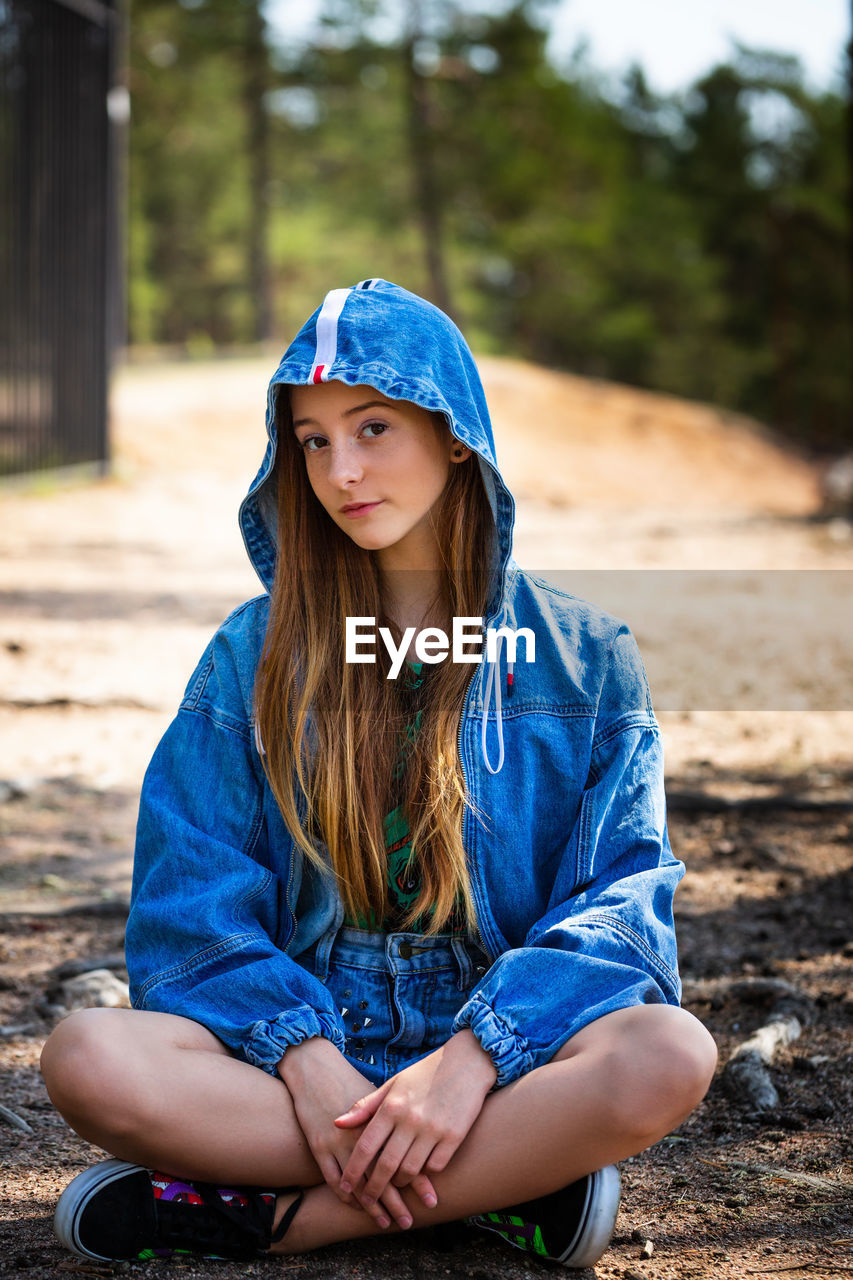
[398, 994]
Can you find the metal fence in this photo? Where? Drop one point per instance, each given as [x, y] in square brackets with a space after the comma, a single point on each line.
[59, 277]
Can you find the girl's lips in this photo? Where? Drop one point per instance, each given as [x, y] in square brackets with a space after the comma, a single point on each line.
[360, 508]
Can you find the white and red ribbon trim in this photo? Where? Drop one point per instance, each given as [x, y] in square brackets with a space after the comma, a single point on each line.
[327, 330]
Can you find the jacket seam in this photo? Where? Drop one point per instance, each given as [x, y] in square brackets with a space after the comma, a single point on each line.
[565, 595]
[584, 863]
[593, 919]
[194, 692]
[227, 946]
[192, 695]
[630, 720]
[238, 727]
[634, 720]
[255, 890]
[252, 839]
[564, 711]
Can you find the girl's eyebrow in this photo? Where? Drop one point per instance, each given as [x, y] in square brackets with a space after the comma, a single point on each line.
[358, 408]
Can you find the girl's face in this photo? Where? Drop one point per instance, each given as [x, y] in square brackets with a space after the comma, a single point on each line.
[377, 466]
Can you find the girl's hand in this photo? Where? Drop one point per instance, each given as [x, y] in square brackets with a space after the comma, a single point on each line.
[321, 1082]
[417, 1121]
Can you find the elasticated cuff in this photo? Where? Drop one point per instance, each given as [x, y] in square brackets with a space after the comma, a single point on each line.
[269, 1040]
[508, 1050]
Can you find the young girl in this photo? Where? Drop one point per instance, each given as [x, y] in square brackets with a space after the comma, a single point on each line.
[400, 945]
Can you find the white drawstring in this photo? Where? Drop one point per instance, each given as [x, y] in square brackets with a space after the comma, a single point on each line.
[496, 681]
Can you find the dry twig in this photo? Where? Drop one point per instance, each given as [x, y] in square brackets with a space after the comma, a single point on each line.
[786, 1175]
[14, 1120]
[746, 1073]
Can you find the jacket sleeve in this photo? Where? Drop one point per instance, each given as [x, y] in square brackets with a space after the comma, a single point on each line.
[209, 915]
[607, 939]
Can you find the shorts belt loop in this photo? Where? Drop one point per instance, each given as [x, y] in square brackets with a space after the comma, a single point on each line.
[463, 959]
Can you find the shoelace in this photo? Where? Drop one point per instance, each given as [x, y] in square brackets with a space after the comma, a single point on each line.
[215, 1224]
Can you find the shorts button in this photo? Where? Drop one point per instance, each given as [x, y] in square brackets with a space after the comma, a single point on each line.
[406, 950]
[362, 1004]
[346, 994]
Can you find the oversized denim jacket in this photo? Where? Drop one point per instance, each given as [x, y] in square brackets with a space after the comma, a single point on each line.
[572, 874]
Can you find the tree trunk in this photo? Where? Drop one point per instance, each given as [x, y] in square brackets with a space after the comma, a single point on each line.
[257, 143]
[425, 186]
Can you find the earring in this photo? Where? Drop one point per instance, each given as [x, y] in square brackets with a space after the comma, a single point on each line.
[457, 453]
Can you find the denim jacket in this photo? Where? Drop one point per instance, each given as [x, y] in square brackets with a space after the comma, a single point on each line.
[570, 865]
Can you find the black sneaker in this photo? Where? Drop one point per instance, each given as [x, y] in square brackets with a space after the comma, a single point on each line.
[572, 1226]
[116, 1210]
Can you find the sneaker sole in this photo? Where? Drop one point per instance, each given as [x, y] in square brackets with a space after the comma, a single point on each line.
[75, 1198]
[598, 1220]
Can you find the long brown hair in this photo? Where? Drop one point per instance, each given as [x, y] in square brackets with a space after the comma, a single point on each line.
[332, 730]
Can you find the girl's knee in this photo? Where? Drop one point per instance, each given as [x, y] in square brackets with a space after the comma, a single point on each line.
[654, 1062]
[85, 1058]
[670, 1059]
[685, 1053]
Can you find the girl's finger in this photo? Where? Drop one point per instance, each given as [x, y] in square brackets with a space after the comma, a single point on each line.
[413, 1161]
[387, 1163]
[364, 1151]
[396, 1206]
[378, 1212]
[423, 1188]
[331, 1172]
[441, 1156]
[362, 1110]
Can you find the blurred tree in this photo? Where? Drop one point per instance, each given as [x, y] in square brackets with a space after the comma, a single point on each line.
[427, 198]
[693, 243]
[197, 172]
[256, 83]
[764, 168]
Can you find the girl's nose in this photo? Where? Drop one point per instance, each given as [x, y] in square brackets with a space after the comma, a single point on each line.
[344, 465]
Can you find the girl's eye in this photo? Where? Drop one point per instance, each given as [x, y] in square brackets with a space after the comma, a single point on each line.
[311, 444]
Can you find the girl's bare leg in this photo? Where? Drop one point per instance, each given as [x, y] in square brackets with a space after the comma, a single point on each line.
[163, 1092]
[618, 1086]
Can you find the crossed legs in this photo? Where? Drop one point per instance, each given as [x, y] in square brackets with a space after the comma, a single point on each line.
[163, 1092]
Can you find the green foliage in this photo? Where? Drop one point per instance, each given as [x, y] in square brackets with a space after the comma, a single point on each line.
[696, 244]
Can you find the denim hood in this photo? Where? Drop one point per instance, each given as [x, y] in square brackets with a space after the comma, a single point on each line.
[380, 335]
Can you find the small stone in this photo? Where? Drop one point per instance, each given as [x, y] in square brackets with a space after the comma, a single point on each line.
[58, 883]
[639, 1237]
[96, 990]
[647, 1249]
[13, 789]
[51, 1009]
[86, 964]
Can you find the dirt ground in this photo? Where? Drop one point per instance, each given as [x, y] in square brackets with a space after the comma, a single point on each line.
[109, 592]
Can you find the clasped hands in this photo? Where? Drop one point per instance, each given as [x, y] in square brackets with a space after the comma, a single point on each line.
[392, 1137]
